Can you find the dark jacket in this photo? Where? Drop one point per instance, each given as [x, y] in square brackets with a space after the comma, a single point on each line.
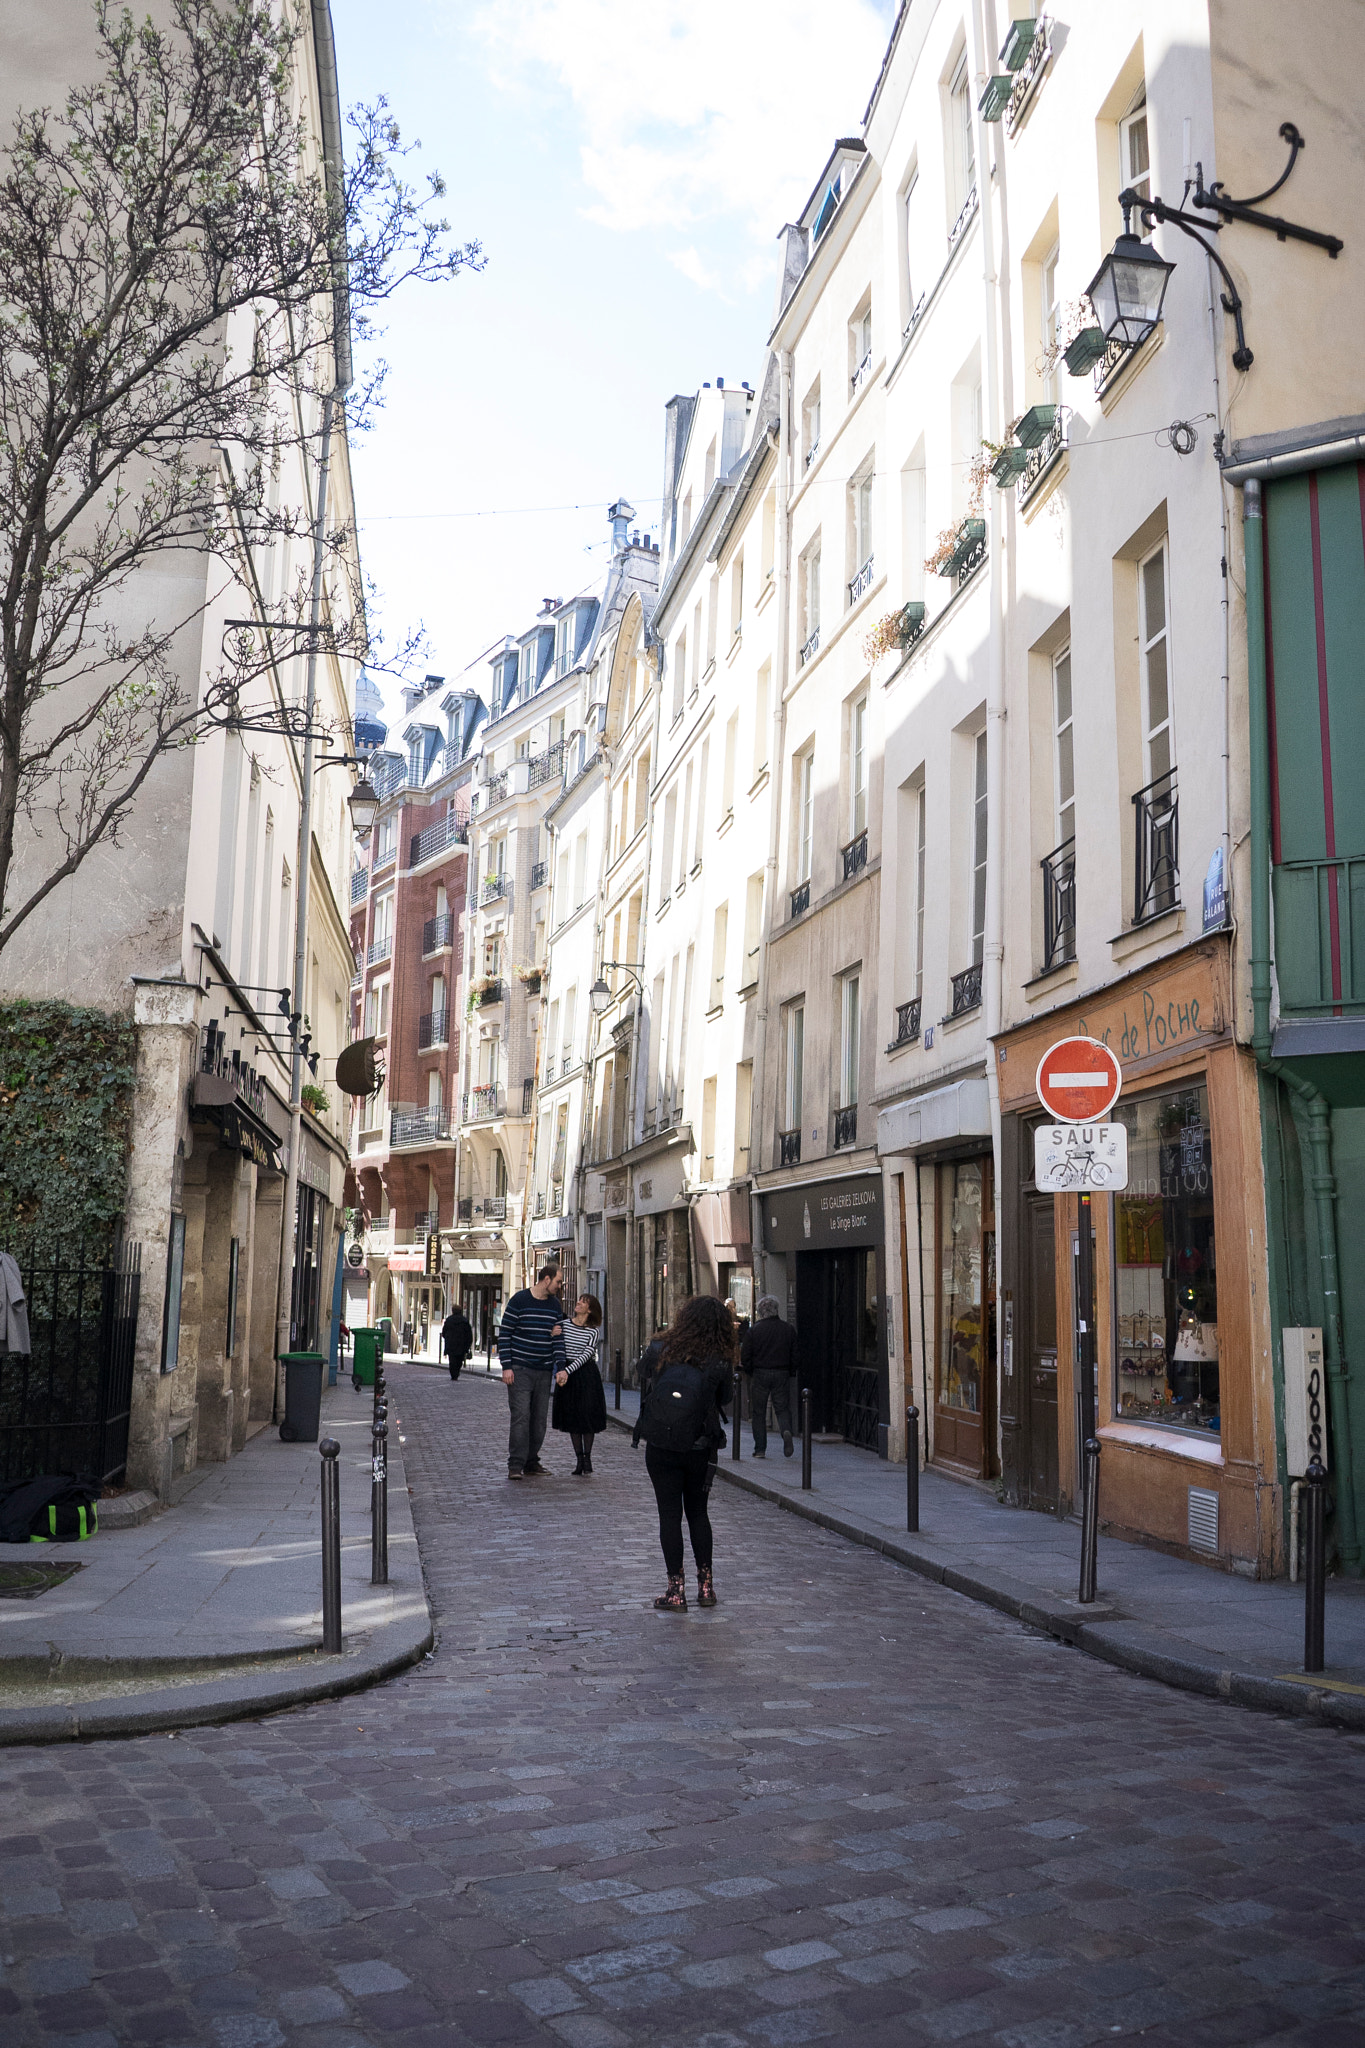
[769, 1347]
[457, 1334]
[719, 1380]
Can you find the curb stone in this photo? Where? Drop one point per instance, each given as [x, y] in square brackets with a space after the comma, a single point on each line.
[1098, 1630]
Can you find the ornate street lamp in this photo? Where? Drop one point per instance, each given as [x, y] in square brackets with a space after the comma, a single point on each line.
[1128, 289]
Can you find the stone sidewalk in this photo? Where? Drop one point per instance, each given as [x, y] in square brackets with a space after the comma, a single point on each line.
[213, 1607]
[1187, 1624]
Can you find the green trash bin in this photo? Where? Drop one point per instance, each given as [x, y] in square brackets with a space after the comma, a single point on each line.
[365, 1350]
[303, 1372]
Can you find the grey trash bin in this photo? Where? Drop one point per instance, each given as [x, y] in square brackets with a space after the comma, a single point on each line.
[303, 1372]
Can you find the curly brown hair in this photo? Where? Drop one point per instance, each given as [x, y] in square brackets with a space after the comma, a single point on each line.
[702, 1332]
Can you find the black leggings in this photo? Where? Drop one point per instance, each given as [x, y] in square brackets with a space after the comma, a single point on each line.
[682, 1480]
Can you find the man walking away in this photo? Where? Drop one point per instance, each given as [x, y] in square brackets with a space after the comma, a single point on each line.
[767, 1353]
[457, 1340]
[532, 1351]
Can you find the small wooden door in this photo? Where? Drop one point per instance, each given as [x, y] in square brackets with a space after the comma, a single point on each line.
[1040, 1353]
[964, 1390]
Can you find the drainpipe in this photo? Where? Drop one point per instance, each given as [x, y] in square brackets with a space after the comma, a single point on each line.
[1316, 1107]
[782, 558]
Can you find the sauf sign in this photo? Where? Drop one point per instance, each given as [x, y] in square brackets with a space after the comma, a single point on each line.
[1078, 1082]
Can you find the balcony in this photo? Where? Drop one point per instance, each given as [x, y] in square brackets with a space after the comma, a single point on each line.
[360, 882]
[377, 1239]
[540, 874]
[426, 1219]
[484, 1103]
[530, 980]
[486, 992]
[861, 582]
[446, 832]
[809, 650]
[1044, 454]
[1156, 848]
[539, 1209]
[801, 899]
[907, 1024]
[357, 975]
[419, 1126]
[860, 375]
[433, 1030]
[546, 767]
[1028, 69]
[789, 1148]
[1320, 936]
[494, 790]
[495, 886]
[966, 991]
[964, 220]
[528, 1090]
[495, 1209]
[846, 1126]
[382, 949]
[465, 1209]
[1059, 905]
[438, 932]
[854, 855]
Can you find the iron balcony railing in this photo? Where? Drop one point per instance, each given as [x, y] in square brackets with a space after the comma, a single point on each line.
[382, 949]
[488, 994]
[495, 886]
[860, 374]
[1156, 848]
[1027, 77]
[494, 790]
[1042, 458]
[789, 1148]
[483, 1103]
[915, 311]
[854, 855]
[812, 451]
[528, 1089]
[1059, 905]
[539, 1205]
[971, 561]
[546, 767]
[810, 649]
[540, 874]
[862, 581]
[433, 1029]
[447, 831]
[360, 882]
[1320, 935]
[846, 1126]
[966, 991]
[801, 898]
[385, 857]
[426, 1219]
[964, 219]
[495, 1208]
[465, 1209]
[418, 1126]
[907, 1024]
[438, 932]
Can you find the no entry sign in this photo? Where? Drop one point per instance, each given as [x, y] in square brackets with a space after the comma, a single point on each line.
[1078, 1080]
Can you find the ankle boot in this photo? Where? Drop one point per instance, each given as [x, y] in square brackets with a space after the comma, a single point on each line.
[674, 1601]
[706, 1589]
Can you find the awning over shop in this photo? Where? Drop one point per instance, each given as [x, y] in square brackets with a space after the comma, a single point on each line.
[490, 1267]
[962, 1110]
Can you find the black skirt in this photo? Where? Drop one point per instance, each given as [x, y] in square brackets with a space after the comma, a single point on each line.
[580, 1406]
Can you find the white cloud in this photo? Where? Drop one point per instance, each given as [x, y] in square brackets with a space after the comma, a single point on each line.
[694, 111]
[692, 267]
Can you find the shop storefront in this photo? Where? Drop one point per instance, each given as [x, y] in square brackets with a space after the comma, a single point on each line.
[1183, 1389]
[830, 1235]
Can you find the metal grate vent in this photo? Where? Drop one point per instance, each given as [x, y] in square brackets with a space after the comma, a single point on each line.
[1203, 1519]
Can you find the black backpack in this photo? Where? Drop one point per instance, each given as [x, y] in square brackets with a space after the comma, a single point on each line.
[677, 1410]
[54, 1508]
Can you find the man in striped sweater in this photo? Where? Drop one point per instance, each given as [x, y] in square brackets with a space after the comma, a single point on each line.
[531, 1351]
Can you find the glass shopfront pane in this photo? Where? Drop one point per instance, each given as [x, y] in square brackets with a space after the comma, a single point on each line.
[1165, 1265]
[960, 1347]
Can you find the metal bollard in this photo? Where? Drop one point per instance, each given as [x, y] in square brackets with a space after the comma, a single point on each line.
[1090, 1521]
[805, 1439]
[329, 1450]
[379, 1507]
[616, 1401]
[736, 1448]
[912, 1469]
[1314, 1563]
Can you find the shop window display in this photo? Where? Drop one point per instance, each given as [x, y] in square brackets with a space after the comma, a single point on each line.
[1165, 1265]
[960, 1289]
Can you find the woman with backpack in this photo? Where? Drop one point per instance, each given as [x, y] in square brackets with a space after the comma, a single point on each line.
[683, 1423]
[580, 1406]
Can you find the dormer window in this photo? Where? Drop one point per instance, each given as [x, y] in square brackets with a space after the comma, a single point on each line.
[528, 667]
[415, 763]
[564, 644]
[828, 207]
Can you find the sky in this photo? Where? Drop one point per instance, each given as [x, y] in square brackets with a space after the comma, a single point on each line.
[627, 170]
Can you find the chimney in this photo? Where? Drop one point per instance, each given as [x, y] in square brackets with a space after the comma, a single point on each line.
[620, 514]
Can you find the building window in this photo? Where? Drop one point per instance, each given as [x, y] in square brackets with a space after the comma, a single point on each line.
[230, 1337]
[964, 1249]
[860, 534]
[1158, 732]
[1165, 1268]
[962, 137]
[737, 599]
[810, 424]
[708, 1128]
[805, 820]
[916, 280]
[753, 931]
[808, 597]
[860, 349]
[794, 1045]
[921, 822]
[978, 877]
[1064, 758]
[850, 1041]
[857, 768]
[1047, 312]
[1135, 160]
[762, 690]
[719, 935]
[679, 672]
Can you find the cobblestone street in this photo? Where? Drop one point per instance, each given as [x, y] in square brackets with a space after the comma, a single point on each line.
[845, 1804]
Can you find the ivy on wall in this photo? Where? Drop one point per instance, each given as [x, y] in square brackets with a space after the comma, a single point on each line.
[66, 1095]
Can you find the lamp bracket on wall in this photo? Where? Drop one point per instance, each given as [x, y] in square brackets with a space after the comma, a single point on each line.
[1215, 200]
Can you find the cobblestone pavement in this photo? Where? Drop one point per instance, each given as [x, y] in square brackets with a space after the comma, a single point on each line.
[843, 1805]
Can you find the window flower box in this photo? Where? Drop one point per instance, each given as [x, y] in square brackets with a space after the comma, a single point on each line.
[1035, 426]
[1009, 464]
[1082, 354]
[968, 536]
[996, 97]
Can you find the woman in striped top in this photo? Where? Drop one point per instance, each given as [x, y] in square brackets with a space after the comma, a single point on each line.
[580, 1406]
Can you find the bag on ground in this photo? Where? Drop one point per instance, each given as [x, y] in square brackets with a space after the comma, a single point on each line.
[54, 1508]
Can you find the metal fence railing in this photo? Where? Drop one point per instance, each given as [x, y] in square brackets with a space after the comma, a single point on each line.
[66, 1407]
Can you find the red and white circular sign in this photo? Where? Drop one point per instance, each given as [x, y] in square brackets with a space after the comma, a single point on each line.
[1078, 1080]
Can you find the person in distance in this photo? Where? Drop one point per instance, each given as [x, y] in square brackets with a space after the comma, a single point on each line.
[683, 1423]
[767, 1353]
[580, 1406]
